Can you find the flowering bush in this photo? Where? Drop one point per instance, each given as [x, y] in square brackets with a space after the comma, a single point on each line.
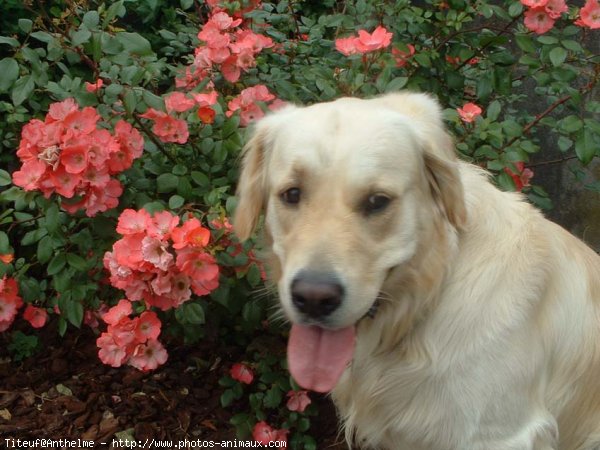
[119, 148]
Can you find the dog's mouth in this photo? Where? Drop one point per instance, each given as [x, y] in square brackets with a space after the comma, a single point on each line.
[317, 357]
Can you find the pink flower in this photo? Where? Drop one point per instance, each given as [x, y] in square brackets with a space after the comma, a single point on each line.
[206, 98]
[74, 155]
[30, 175]
[162, 225]
[298, 400]
[59, 111]
[148, 356]
[7, 258]
[118, 312]
[246, 103]
[156, 252]
[191, 233]
[201, 267]
[178, 102]
[347, 46]
[365, 42]
[469, 112]
[380, 38]
[522, 177]
[589, 15]
[555, 8]
[147, 327]
[109, 351]
[93, 87]
[224, 21]
[133, 222]
[265, 434]
[402, 56]
[37, 317]
[167, 128]
[538, 20]
[242, 373]
[8, 310]
[534, 3]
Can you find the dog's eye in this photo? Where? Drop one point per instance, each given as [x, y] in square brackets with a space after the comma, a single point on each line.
[376, 203]
[291, 196]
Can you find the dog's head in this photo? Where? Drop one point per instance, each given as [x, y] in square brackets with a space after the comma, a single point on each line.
[347, 188]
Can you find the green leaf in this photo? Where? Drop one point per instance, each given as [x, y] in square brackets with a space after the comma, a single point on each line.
[558, 56]
[57, 264]
[167, 182]
[42, 36]
[10, 41]
[45, 249]
[25, 25]
[5, 178]
[176, 201]
[585, 147]
[515, 9]
[22, 89]
[273, 397]
[186, 4]
[91, 19]
[571, 124]
[525, 43]
[396, 84]
[564, 143]
[135, 43]
[194, 313]
[4, 243]
[80, 36]
[76, 262]
[547, 40]
[9, 68]
[493, 111]
[73, 311]
[52, 218]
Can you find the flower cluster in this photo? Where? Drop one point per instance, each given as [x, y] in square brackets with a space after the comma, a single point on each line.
[70, 155]
[131, 341]
[225, 47]
[159, 261]
[246, 104]
[10, 302]
[542, 14]
[364, 42]
[522, 177]
[265, 434]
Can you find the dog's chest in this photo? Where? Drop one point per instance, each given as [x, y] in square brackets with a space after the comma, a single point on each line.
[403, 407]
[397, 403]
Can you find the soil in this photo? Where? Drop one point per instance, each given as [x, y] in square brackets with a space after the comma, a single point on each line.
[65, 392]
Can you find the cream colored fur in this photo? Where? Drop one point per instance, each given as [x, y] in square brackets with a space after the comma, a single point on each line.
[488, 332]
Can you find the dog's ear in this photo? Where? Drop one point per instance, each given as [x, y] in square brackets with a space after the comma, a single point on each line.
[446, 188]
[251, 185]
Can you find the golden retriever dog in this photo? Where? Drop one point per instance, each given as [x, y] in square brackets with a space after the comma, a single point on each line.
[440, 312]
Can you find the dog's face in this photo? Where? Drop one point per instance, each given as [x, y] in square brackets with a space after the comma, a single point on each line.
[346, 188]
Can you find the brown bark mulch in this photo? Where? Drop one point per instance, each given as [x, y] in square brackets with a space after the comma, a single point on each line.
[65, 392]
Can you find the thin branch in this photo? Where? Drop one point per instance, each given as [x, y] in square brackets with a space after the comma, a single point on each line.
[553, 161]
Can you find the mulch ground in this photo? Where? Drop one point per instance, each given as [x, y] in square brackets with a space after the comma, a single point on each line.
[65, 392]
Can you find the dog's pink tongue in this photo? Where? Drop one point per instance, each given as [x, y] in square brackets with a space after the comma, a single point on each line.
[317, 357]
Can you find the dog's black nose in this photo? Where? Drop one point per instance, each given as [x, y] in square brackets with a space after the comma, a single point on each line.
[316, 294]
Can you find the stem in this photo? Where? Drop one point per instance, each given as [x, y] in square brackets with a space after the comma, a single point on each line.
[553, 161]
